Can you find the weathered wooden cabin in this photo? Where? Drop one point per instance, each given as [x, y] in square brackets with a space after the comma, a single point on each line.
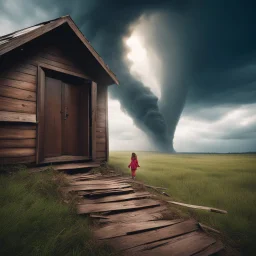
[53, 96]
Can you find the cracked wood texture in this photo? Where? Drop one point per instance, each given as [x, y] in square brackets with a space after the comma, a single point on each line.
[134, 225]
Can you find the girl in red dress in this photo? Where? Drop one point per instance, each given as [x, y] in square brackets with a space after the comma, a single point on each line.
[133, 165]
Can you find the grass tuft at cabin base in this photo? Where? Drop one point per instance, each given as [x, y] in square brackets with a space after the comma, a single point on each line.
[35, 221]
[224, 181]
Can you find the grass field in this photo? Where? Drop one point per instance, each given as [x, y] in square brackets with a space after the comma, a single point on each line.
[222, 181]
[35, 221]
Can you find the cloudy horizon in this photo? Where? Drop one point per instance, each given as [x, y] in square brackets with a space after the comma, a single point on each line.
[206, 85]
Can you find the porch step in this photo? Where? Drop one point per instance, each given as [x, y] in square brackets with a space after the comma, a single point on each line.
[66, 167]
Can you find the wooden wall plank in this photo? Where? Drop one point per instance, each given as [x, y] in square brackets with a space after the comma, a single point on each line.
[17, 152]
[18, 84]
[13, 105]
[98, 129]
[26, 66]
[27, 143]
[101, 159]
[101, 140]
[101, 117]
[101, 147]
[24, 69]
[101, 124]
[6, 133]
[57, 57]
[100, 134]
[19, 126]
[19, 76]
[16, 93]
[17, 117]
[18, 160]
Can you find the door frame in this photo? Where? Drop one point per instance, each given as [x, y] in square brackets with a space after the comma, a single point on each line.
[40, 111]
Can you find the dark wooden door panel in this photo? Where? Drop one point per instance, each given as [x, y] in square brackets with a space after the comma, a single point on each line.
[71, 119]
[53, 122]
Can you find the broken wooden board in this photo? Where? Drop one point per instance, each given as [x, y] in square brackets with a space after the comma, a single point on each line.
[105, 192]
[65, 167]
[96, 187]
[97, 182]
[116, 230]
[214, 248]
[88, 178]
[204, 227]
[185, 247]
[82, 176]
[127, 242]
[149, 246]
[137, 212]
[140, 218]
[104, 207]
[75, 166]
[199, 207]
[147, 214]
[118, 198]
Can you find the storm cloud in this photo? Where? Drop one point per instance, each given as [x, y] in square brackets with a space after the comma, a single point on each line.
[207, 51]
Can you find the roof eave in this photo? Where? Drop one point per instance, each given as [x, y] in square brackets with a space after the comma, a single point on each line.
[51, 26]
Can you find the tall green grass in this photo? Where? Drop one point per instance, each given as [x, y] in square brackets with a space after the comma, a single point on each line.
[222, 181]
[35, 221]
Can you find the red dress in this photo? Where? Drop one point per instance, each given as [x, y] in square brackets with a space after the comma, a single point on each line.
[133, 165]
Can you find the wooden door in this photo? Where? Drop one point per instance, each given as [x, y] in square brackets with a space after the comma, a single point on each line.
[53, 119]
[71, 104]
[66, 120]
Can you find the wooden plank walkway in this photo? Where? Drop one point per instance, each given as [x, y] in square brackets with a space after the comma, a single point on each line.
[65, 167]
[133, 223]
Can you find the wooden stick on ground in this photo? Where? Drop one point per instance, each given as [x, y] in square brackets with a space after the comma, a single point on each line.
[199, 207]
[204, 227]
[165, 194]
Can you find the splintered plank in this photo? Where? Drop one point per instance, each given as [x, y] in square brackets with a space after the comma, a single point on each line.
[96, 182]
[106, 192]
[199, 207]
[123, 243]
[129, 205]
[74, 166]
[150, 246]
[83, 175]
[115, 230]
[136, 216]
[214, 248]
[65, 167]
[97, 187]
[83, 178]
[137, 212]
[185, 247]
[118, 198]
[141, 217]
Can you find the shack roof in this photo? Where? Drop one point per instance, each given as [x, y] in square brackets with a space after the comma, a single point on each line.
[13, 40]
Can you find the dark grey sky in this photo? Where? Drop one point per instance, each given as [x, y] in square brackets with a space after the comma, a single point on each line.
[208, 55]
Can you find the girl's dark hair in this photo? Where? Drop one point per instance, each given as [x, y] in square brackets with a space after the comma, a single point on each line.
[134, 155]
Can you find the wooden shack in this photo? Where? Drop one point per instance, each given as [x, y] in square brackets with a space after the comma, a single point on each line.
[53, 96]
